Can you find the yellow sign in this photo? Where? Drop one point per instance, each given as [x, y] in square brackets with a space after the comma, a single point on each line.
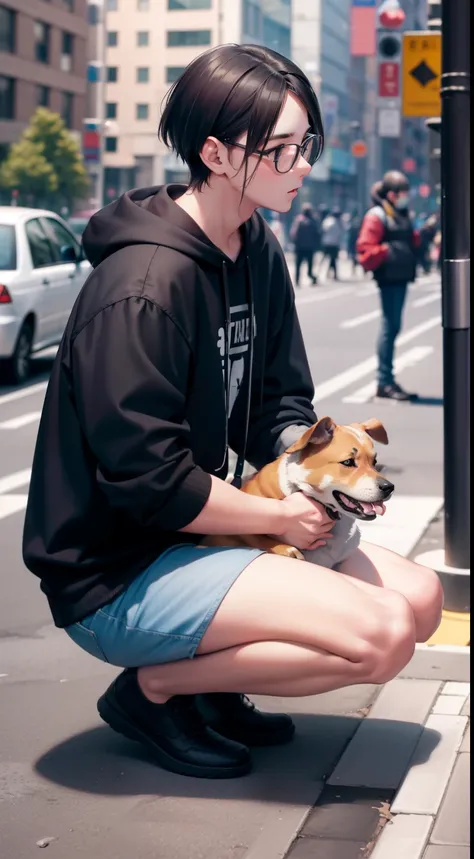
[421, 74]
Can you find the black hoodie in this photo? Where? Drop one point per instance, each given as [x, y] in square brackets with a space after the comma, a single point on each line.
[134, 419]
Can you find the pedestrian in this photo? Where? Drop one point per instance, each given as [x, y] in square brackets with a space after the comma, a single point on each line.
[184, 342]
[353, 230]
[332, 229]
[305, 234]
[388, 246]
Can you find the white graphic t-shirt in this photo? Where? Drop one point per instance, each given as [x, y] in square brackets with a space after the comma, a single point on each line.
[239, 342]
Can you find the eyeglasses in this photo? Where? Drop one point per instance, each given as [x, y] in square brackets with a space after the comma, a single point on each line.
[286, 155]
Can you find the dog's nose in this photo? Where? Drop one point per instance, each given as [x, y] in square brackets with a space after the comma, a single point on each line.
[386, 487]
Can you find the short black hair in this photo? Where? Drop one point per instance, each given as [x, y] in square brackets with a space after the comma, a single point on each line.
[227, 91]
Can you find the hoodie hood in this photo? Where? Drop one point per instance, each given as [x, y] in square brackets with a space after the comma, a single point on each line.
[150, 216]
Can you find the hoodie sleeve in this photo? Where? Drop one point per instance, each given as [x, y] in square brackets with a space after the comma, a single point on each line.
[130, 370]
[287, 389]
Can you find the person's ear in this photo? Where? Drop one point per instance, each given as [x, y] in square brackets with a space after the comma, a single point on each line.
[215, 156]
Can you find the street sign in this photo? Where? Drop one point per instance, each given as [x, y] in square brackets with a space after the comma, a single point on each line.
[359, 149]
[389, 80]
[421, 74]
[390, 122]
[91, 146]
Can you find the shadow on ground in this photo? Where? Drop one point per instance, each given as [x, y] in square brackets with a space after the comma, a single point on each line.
[102, 763]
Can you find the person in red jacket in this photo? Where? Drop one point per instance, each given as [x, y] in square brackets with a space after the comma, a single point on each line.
[387, 246]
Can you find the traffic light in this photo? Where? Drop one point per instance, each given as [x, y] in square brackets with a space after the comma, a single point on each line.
[389, 46]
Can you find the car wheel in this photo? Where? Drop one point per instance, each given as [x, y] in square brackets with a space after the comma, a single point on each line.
[17, 368]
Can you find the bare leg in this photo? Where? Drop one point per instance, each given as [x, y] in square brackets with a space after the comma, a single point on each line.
[287, 627]
[371, 566]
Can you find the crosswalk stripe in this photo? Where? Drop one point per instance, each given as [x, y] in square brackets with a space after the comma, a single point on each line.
[20, 421]
[408, 359]
[15, 480]
[344, 379]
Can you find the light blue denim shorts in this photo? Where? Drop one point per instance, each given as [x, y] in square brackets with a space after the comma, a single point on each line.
[164, 613]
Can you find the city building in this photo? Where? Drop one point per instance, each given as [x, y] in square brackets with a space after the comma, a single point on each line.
[148, 43]
[321, 47]
[42, 63]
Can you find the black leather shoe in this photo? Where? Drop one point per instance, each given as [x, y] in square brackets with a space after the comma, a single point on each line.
[396, 393]
[174, 733]
[235, 717]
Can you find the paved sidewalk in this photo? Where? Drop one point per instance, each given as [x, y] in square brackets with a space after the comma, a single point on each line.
[401, 788]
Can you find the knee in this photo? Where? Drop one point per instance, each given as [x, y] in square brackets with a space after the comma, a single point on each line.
[427, 599]
[391, 639]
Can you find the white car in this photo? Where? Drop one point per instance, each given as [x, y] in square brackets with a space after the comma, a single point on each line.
[42, 269]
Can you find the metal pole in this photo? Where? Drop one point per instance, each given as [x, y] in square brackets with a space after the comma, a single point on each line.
[455, 213]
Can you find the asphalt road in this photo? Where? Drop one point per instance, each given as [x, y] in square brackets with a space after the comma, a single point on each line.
[61, 773]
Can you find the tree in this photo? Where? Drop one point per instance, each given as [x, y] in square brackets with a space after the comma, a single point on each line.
[46, 166]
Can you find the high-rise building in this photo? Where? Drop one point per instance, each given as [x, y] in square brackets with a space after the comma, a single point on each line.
[148, 43]
[42, 63]
[321, 46]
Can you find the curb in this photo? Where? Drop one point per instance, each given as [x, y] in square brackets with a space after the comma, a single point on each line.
[430, 662]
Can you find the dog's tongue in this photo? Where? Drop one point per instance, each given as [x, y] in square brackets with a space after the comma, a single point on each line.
[378, 508]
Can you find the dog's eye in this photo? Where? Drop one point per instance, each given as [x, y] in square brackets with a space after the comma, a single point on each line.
[349, 463]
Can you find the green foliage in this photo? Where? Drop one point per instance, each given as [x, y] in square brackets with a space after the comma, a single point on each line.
[46, 165]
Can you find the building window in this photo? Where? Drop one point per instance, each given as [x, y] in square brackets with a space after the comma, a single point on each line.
[111, 5]
[188, 38]
[253, 20]
[143, 75]
[143, 5]
[67, 51]
[42, 96]
[42, 35]
[143, 38]
[111, 110]
[142, 111]
[189, 4]
[7, 97]
[67, 101]
[112, 39]
[112, 74]
[111, 144]
[69, 4]
[173, 73]
[7, 30]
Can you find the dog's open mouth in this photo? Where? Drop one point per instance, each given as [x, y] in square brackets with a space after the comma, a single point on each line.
[366, 510]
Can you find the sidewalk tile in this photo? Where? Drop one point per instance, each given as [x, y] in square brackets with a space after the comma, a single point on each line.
[466, 743]
[452, 823]
[404, 838]
[439, 662]
[346, 814]
[449, 705]
[431, 766]
[435, 852]
[380, 752]
[451, 688]
[466, 710]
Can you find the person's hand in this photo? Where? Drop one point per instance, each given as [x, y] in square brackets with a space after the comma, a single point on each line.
[308, 525]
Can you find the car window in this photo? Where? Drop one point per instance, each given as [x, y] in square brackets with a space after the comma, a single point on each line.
[7, 248]
[40, 247]
[60, 237]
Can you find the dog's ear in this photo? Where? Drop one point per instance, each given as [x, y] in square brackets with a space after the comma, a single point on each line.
[320, 433]
[376, 430]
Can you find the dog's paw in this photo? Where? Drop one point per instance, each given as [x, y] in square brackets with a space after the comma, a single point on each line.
[295, 553]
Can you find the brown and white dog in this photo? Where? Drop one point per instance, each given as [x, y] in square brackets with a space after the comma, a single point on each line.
[335, 465]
